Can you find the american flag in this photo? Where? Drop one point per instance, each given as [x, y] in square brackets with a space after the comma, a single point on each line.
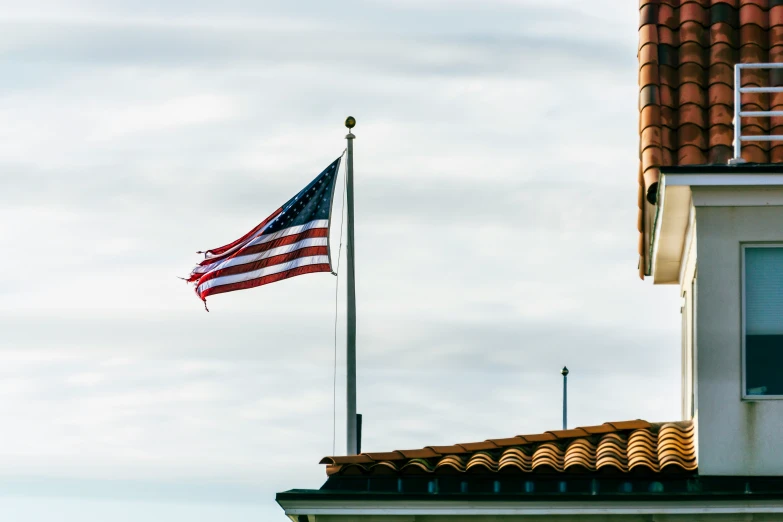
[293, 241]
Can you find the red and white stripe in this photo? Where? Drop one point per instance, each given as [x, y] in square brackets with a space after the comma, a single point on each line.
[257, 259]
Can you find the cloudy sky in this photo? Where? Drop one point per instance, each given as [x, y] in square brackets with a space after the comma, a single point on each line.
[496, 164]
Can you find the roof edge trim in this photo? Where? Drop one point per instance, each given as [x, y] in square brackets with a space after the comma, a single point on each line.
[293, 506]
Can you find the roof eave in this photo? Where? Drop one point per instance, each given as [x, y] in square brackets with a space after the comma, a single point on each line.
[674, 219]
[297, 503]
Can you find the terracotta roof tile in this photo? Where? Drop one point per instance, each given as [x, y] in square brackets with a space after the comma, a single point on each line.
[481, 461]
[568, 434]
[449, 450]
[539, 437]
[603, 428]
[550, 455]
[389, 455]
[513, 441]
[424, 453]
[478, 446]
[630, 425]
[515, 459]
[349, 459]
[416, 465]
[451, 462]
[581, 453]
[618, 446]
[687, 52]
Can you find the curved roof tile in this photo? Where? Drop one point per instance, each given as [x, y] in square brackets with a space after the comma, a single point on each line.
[687, 52]
[622, 446]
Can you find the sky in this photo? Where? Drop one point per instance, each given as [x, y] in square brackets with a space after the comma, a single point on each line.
[495, 179]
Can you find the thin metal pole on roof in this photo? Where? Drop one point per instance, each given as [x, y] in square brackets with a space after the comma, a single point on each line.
[564, 373]
[351, 424]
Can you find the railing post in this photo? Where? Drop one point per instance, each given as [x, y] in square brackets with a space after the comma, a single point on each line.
[737, 111]
[739, 90]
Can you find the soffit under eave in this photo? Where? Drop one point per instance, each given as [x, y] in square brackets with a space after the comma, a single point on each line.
[670, 230]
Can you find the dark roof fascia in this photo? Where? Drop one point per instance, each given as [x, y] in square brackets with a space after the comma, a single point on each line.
[337, 496]
[654, 486]
[740, 168]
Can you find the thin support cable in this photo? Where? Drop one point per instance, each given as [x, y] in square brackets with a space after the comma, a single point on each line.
[336, 304]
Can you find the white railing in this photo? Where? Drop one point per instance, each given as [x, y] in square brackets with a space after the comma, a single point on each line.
[739, 113]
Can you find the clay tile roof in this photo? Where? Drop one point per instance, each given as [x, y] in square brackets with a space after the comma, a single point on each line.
[350, 459]
[603, 428]
[389, 455]
[540, 437]
[568, 434]
[478, 446]
[615, 446]
[513, 441]
[687, 52]
[425, 453]
[630, 425]
[456, 449]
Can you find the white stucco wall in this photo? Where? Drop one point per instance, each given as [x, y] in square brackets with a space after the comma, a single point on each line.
[735, 437]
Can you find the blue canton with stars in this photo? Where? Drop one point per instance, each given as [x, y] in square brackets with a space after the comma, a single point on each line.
[313, 202]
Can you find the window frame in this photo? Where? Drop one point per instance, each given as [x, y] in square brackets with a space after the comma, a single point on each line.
[743, 335]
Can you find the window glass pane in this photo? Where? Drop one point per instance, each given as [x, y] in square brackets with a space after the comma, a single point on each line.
[764, 320]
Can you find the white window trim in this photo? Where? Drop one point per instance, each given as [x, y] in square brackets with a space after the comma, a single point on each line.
[694, 343]
[745, 396]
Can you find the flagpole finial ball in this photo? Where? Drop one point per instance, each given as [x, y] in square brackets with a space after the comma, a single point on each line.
[564, 372]
[350, 122]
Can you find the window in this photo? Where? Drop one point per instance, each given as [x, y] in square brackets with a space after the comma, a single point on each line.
[762, 319]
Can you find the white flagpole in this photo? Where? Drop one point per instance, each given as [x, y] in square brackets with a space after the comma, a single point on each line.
[351, 427]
